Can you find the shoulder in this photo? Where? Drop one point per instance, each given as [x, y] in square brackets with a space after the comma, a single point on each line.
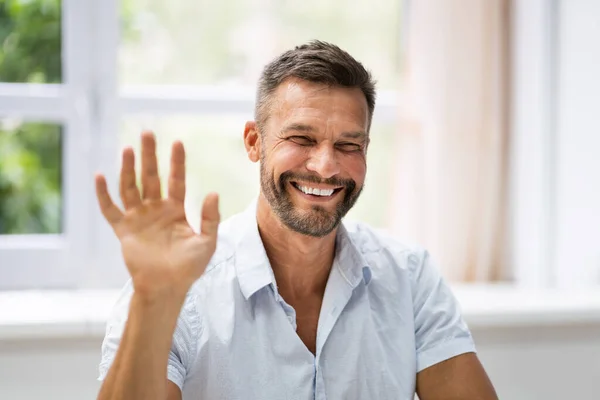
[383, 250]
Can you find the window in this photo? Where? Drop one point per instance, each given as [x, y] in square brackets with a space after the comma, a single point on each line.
[30, 178]
[185, 42]
[79, 80]
[36, 148]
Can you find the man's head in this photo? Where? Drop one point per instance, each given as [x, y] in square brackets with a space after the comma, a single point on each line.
[313, 112]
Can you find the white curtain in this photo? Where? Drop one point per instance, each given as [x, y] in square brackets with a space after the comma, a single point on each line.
[452, 145]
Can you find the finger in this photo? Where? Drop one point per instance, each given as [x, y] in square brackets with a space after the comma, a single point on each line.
[110, 211]
[210, 215]
[177, 173]
[150, 179]
[130, 194]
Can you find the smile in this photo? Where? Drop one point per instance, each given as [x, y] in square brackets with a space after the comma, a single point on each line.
[316, 192]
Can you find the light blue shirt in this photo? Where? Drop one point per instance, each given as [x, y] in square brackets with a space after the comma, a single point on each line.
[386, 315]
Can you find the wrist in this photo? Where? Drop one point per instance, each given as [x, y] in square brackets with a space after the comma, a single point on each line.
[150, 294]
[166, 300]
[155, 315]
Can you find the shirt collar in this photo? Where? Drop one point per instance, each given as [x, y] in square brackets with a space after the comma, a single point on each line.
[251, 262]
[350, 260]
[254, 270]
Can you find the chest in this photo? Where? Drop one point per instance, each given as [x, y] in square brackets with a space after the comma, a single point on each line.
[304, 316]
[362, 353]
[307, 324]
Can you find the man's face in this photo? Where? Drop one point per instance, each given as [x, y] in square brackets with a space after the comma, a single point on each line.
[313, 154]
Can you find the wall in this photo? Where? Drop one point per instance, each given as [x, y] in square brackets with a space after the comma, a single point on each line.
[54, 369]
[543, 363]
[551, 363]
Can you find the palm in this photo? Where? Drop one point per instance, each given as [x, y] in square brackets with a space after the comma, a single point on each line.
[159, 247]
[157, 238]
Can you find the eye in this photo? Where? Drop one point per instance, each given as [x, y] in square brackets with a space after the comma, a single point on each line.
[349, 147]
[302, 140]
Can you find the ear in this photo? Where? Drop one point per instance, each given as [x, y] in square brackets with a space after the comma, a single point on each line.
[252, 141]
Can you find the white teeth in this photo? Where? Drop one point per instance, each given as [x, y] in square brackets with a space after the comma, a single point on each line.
[315, 191]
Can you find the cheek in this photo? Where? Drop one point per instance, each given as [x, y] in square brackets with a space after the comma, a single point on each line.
[355, 167]
[288, 158]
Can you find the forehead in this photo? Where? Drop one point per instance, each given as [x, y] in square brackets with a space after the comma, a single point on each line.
[298, 99]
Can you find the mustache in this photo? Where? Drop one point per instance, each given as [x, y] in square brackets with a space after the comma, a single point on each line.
[290, 176]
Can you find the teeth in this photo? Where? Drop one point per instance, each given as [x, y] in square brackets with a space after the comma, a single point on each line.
[315, 191]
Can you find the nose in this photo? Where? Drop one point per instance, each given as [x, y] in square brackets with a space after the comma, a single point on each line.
[323, 161]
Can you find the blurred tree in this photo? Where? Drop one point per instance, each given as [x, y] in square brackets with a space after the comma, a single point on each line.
[30, 179]
[30, 41]
[30, 153]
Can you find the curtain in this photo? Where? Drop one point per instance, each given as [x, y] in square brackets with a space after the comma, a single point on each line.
[451, 166]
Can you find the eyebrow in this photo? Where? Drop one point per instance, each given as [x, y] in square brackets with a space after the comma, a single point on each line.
[299, 127]
[355, 135]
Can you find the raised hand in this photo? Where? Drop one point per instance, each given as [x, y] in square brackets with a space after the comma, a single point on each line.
[162, 252]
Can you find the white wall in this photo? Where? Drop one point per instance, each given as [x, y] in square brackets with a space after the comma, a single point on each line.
[53, 369]
[578, 144]
[555, 363]
[542, 363]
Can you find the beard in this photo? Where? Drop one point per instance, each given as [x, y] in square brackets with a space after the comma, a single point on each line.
[318, 221]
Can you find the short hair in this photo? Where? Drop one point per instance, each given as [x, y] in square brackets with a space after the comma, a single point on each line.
[317, 62]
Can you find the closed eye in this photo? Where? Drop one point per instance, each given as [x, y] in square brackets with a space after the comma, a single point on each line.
[346, 146]
[302, 140]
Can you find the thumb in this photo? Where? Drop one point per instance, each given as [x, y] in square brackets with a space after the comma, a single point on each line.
[210, 215]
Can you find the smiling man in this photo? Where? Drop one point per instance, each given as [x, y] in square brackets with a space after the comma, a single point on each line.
[283, 301]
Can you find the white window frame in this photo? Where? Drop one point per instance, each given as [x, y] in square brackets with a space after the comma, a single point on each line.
[90, 106]
[532, 198]
[50, 261]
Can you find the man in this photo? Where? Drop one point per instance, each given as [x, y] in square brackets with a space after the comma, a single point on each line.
[292, 304]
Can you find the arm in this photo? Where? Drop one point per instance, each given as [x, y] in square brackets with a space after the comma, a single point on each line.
[140, 367]
[173, 392]
[458, 378]
[164, 257]
[447, 366]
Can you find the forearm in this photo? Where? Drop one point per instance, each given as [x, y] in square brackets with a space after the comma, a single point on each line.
[139, 370]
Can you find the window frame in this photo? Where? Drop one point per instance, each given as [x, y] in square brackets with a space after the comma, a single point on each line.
[532, 158]
[90, 105]
[49, 261]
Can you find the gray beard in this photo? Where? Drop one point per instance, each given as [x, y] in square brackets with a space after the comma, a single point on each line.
[316, 223]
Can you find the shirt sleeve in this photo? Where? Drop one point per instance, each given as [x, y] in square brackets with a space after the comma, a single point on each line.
[440, 331]
[184, 344]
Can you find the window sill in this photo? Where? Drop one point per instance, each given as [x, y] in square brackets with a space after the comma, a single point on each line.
[55, 314]
[505, 305]
[83, 313]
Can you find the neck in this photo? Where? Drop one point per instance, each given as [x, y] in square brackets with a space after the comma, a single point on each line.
[300, 263]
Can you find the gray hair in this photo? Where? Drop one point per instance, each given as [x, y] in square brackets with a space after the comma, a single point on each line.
[317, 62]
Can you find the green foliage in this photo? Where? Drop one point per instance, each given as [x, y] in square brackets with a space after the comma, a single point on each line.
[30, 154]
[30, 41]
[30, 179]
